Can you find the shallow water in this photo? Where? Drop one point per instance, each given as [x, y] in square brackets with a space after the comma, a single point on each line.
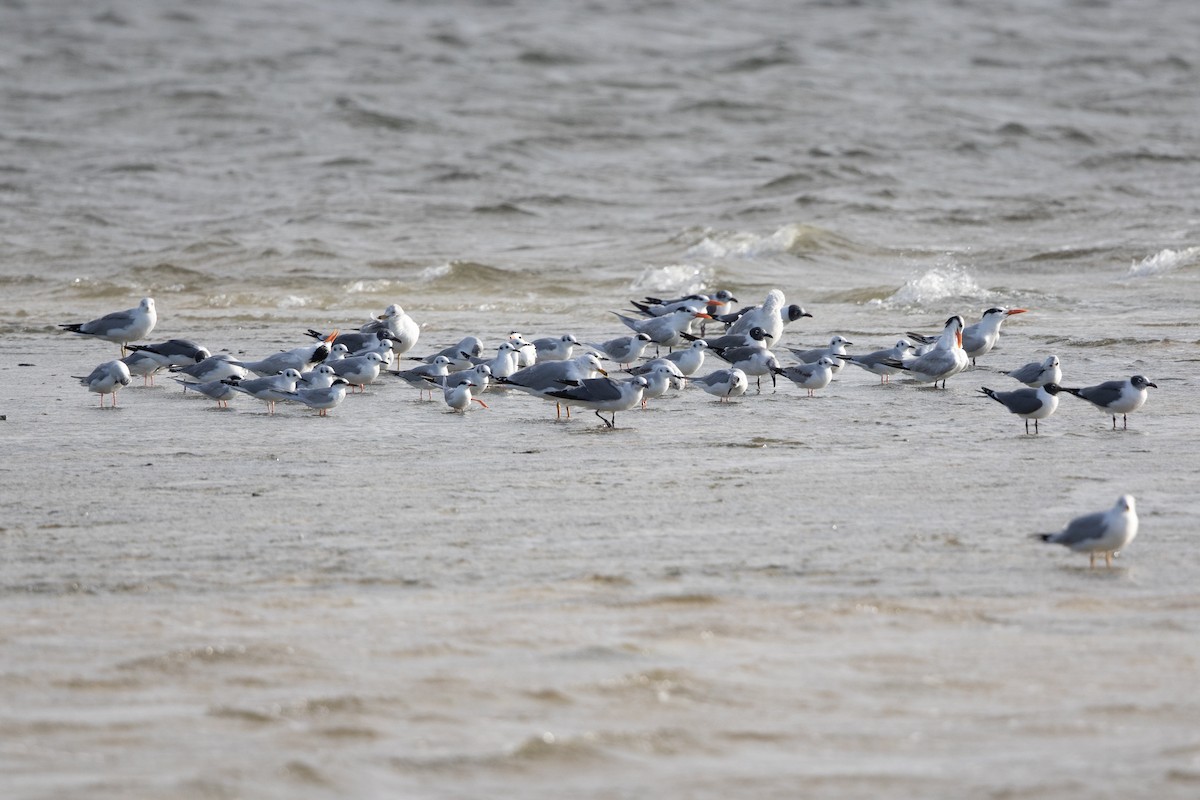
[833, 597]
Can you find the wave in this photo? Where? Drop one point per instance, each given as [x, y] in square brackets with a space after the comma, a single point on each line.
[795, 239]
[935, 287]
[673, 279]
[1165, 261]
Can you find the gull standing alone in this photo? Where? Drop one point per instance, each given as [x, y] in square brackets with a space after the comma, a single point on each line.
[724, 384]
[810, 376]
[1106, 532]
[119, 327]
[1117, 397]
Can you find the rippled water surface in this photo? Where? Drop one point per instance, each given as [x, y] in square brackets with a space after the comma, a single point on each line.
[779, 597]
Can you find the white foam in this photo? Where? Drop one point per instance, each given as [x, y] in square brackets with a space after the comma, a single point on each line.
[741, 244]
[673, 279]
[433, 273]
[1164, 261]
[367, 287]
[935, 286]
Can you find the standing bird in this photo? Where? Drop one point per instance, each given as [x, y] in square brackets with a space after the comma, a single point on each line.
[755, 337]
[1038, 373]
[555, 349]
[213, 368]
[753, 361]
[660, 376]
[174, 352]
[603, 394]
[359, 370]
[712, 304]
[397, 327]
[541, 379]
[319, 377]
[416, 377]
[690, 359]
[322, 399]
[527, 354]
[724, 384]
[1106, 532]
[1028, 404]
[469, 347]
[214, 390]
[876, 362]
[1117, 397]
[142, 365]
[667, 330]
[772, 316]
[504, 363]
[810, 376]
[460, 396]
[980, 338]
[106, 379]
[836, 348]
[300, 359]
[270, 389]
[945, 360]
[119, 327]
[624, 349]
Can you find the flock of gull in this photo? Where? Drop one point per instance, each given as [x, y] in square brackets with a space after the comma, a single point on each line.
[319, 374]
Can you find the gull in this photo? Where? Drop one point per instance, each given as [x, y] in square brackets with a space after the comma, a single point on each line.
[319, 377]
[416, 376]
[660, 376]
[359, 370]
[755, 337]
[213, 368]
[397, 327]
[174, 352]
[1117, 397]
[119, 327]
[604, 394]
[214, 390]
[945, 360]
[1106, 532]
[504, 363]
[876, 362]
[324, 398]
[667, 330]
[299, 359]
[755, 361]
[1038, 373]
[106, 379]
[480, 377]
[142, 365]
[724, 383]
[469, 347]
[771, 316]
[459, 396]
[269, 389]
[810, 376]
[381, 347]
[623, 349]
[690, 359]
[336, 353]
[353, 341]
[555, 349]
[540, 379]
[837, 347]
[1028, 404]
[526, 353]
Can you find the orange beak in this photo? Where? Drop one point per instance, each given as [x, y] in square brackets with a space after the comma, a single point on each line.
[1012, 311]
[703, 316]
[958, 337]
[331, 337]
[604, 372]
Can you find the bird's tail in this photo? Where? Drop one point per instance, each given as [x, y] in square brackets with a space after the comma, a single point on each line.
[73, 327]
[1076, 391]
[1042, 537]
[989, 392]
[314, 334]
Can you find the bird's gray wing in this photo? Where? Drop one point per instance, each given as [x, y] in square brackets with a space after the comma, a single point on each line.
[1081, 529]
[1103, 394]
[1021, 401]
[1030, 372]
